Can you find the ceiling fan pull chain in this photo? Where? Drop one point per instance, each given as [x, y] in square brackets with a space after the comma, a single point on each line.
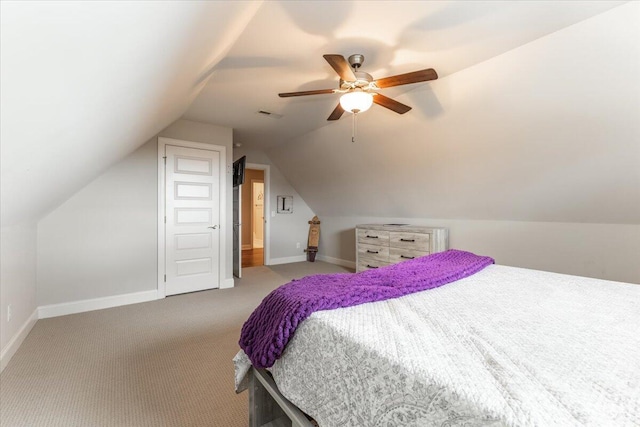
[353, 131]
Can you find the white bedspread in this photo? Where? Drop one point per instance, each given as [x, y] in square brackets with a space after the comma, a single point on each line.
[506, 346]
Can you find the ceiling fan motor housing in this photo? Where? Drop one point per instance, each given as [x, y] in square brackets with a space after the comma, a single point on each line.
[363, 80]
[356, 61]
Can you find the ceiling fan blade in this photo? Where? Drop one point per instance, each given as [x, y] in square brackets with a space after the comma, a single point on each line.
[337, 113]
[408, 78]
[391, 104]
[341, 66]
[306, 92]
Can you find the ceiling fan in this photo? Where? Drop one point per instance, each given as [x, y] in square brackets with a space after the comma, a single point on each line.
[360, 90]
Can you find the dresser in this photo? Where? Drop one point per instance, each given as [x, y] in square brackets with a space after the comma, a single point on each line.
[378, 245]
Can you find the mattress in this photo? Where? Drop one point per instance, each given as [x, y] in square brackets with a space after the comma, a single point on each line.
[504, 347]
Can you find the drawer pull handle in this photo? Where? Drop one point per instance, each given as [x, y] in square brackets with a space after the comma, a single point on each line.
[407, 240]
[371, 237]
[371, 266]
[407, 257]
[372, 252]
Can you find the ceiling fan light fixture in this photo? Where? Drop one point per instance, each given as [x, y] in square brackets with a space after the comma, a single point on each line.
[356, 101]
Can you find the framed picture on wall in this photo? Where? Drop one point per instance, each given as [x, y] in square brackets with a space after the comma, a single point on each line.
[285, 204]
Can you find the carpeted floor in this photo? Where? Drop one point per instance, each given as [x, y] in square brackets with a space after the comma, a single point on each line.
[161, 363]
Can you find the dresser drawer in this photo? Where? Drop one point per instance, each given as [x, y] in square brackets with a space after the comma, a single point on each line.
[368, 264]
[373, 237]
[378, 245]
[399, 254]
[411, 241]
[373, 252]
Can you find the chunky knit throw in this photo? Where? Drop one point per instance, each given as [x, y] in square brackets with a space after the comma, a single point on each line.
[270, 327]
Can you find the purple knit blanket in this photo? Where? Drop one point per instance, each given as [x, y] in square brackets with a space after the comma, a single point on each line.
[270, 327]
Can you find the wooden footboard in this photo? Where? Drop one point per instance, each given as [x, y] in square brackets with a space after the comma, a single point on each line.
[269, 408]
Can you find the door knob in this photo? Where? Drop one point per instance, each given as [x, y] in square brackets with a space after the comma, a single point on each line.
[213, 226]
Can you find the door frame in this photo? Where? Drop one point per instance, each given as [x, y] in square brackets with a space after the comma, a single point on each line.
[237, 240]
[222, 169]
[266, 243]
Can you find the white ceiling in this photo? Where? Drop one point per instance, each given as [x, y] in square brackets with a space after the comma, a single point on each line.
[83, 84]
[561, 145]
[281, 50]
[86, 83]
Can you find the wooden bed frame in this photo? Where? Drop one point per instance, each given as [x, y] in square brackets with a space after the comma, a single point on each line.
[268, 407]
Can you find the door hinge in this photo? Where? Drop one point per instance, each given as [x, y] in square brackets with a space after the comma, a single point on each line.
[165, 277]
[165, 159]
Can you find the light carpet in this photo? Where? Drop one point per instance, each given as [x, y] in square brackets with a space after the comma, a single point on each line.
[161, 363]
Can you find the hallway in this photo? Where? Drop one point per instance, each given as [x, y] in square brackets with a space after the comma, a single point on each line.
[252, 257]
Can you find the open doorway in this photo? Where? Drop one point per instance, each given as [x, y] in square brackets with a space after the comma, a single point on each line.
[253, 208]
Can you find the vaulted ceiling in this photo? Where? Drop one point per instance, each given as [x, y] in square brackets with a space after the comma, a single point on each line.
[86, 83]
[281, 50]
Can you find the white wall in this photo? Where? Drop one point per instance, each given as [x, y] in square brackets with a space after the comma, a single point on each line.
[17, 286]
[73, 106]
[102, 242]
[545, 133]
[286, 230]
[608, 251]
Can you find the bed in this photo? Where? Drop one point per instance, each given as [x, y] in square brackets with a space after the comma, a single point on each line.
[504, 347]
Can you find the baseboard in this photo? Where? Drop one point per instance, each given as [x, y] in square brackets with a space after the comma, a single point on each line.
[12, 346]
[227, 283]
[287, 260]
[54, 310]
[337, 261]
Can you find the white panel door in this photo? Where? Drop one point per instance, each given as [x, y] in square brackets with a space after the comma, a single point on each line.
[192, 227]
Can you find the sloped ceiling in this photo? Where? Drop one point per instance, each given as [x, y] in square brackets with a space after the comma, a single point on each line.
[86, 83]
[547, 132]
[281, 51]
